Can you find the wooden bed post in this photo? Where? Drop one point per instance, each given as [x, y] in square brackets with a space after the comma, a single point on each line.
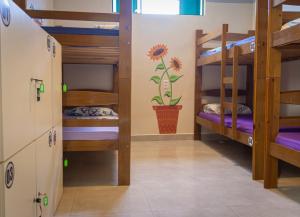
[223, 74]
[273, 103]
[198, 88]
[260, 94]
[235, 71]
[125, 92]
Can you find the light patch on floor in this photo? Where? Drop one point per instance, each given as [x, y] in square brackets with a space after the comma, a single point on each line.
[177, 179]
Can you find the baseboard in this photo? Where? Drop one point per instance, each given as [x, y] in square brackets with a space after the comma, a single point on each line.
[161, 137]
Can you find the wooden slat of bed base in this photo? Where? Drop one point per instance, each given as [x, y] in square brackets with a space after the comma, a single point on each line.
[288, 16]
[91, 55]
[89, 98]
[286, 2]
[240, 136]
[87, 40]
[290, 97]
[90, 123]
[287, 36]
[288, 155]
[79, 145]
[69, 15]
[291, 121]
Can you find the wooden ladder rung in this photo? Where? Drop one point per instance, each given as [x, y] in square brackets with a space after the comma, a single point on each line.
[227, 80]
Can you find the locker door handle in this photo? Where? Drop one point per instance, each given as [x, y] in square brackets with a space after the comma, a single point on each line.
[40, 89]
[50, 139]
[54, 137]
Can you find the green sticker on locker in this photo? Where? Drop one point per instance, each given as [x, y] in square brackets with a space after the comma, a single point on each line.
[45, 201]
[42, 88]
[65, 88]
[66, 163]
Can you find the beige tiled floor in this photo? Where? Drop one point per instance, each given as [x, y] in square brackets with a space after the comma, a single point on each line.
[177, 179]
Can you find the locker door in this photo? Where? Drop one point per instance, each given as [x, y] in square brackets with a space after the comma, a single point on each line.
[43, 74]
[21, 192]
[17, 47]
[58, 162]
[45, 171]
[56, 82]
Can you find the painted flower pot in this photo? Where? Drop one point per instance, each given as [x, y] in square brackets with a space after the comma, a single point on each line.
[167, 118]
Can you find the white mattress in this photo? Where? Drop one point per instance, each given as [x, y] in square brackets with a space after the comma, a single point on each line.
[90, 133]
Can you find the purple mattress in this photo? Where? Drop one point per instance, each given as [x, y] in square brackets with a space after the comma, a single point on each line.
[90, 133]
[244, 122]
[290, 140]
[288, 137]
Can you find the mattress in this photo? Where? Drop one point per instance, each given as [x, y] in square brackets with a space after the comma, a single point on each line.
[229, 46]
[90, 133]
[290, 140]
[80, 31]
[244, 122]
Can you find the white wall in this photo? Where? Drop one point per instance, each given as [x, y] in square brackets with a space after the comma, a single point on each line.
[94, 77]
[178, 33]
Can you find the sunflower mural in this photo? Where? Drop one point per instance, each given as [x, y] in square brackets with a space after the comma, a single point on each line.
[167, 108]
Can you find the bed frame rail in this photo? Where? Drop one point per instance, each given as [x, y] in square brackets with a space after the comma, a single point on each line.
[89, 98]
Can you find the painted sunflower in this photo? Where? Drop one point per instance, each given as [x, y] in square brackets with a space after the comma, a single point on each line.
[157, 52]
[176, 64]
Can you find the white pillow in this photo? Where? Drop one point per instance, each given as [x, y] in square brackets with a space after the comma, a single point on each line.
[101, 111]
[291, 23]
[215, 108]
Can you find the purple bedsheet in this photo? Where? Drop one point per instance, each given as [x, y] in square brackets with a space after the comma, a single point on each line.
[244, 122]
[90, 133]
[289, 139]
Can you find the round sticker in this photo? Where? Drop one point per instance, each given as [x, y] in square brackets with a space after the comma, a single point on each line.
[5, 13]
[9, 175]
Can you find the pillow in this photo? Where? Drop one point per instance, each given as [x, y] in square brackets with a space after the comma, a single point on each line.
[101, 111]
[215, 108]
[290, 24]
[78, 111]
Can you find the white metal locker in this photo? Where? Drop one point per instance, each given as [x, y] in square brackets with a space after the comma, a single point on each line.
[24, 57]
[58, 162]
[43, 72]
[45, 167]
[17, 101]
[19, 188]
[56, 82]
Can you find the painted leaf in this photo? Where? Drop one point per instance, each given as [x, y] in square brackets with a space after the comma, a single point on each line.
[156, 79]
[160, 67]
[174, 102]
[168, 94]
[174, 78]
[157, 99]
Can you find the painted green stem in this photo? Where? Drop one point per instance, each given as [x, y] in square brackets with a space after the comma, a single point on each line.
[171, 85]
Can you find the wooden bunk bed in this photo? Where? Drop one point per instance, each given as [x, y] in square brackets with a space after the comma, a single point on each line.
[281, 145]
[236, 49]
[98, 46]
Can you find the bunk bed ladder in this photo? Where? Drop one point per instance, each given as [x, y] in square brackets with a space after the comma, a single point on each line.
[233, 81]
[223, 74]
